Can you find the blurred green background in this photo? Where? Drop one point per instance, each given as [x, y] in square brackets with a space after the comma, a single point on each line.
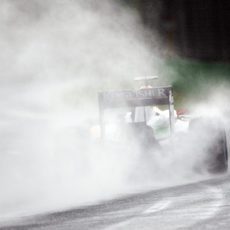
[195, 35]
[195, 80]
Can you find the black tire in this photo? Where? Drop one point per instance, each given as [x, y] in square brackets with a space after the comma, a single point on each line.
[142, 134]
[217, 150]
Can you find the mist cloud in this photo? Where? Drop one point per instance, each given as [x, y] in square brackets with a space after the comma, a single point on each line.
[55, 57]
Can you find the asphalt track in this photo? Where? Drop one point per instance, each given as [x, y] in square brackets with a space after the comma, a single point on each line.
[202, 205]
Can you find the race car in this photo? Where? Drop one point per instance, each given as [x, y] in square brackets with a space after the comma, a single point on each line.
[139, 120]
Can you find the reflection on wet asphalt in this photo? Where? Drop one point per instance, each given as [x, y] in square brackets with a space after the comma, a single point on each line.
[203, 205]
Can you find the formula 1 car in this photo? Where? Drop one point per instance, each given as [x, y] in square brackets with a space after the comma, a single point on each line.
[134, 121]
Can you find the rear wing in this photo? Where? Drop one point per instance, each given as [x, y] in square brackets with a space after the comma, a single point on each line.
[136, 98]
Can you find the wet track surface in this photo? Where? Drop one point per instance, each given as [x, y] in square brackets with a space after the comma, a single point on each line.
[203, 205]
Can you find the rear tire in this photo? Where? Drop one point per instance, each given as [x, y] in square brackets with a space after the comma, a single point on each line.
[143, 134]
[217, 150]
